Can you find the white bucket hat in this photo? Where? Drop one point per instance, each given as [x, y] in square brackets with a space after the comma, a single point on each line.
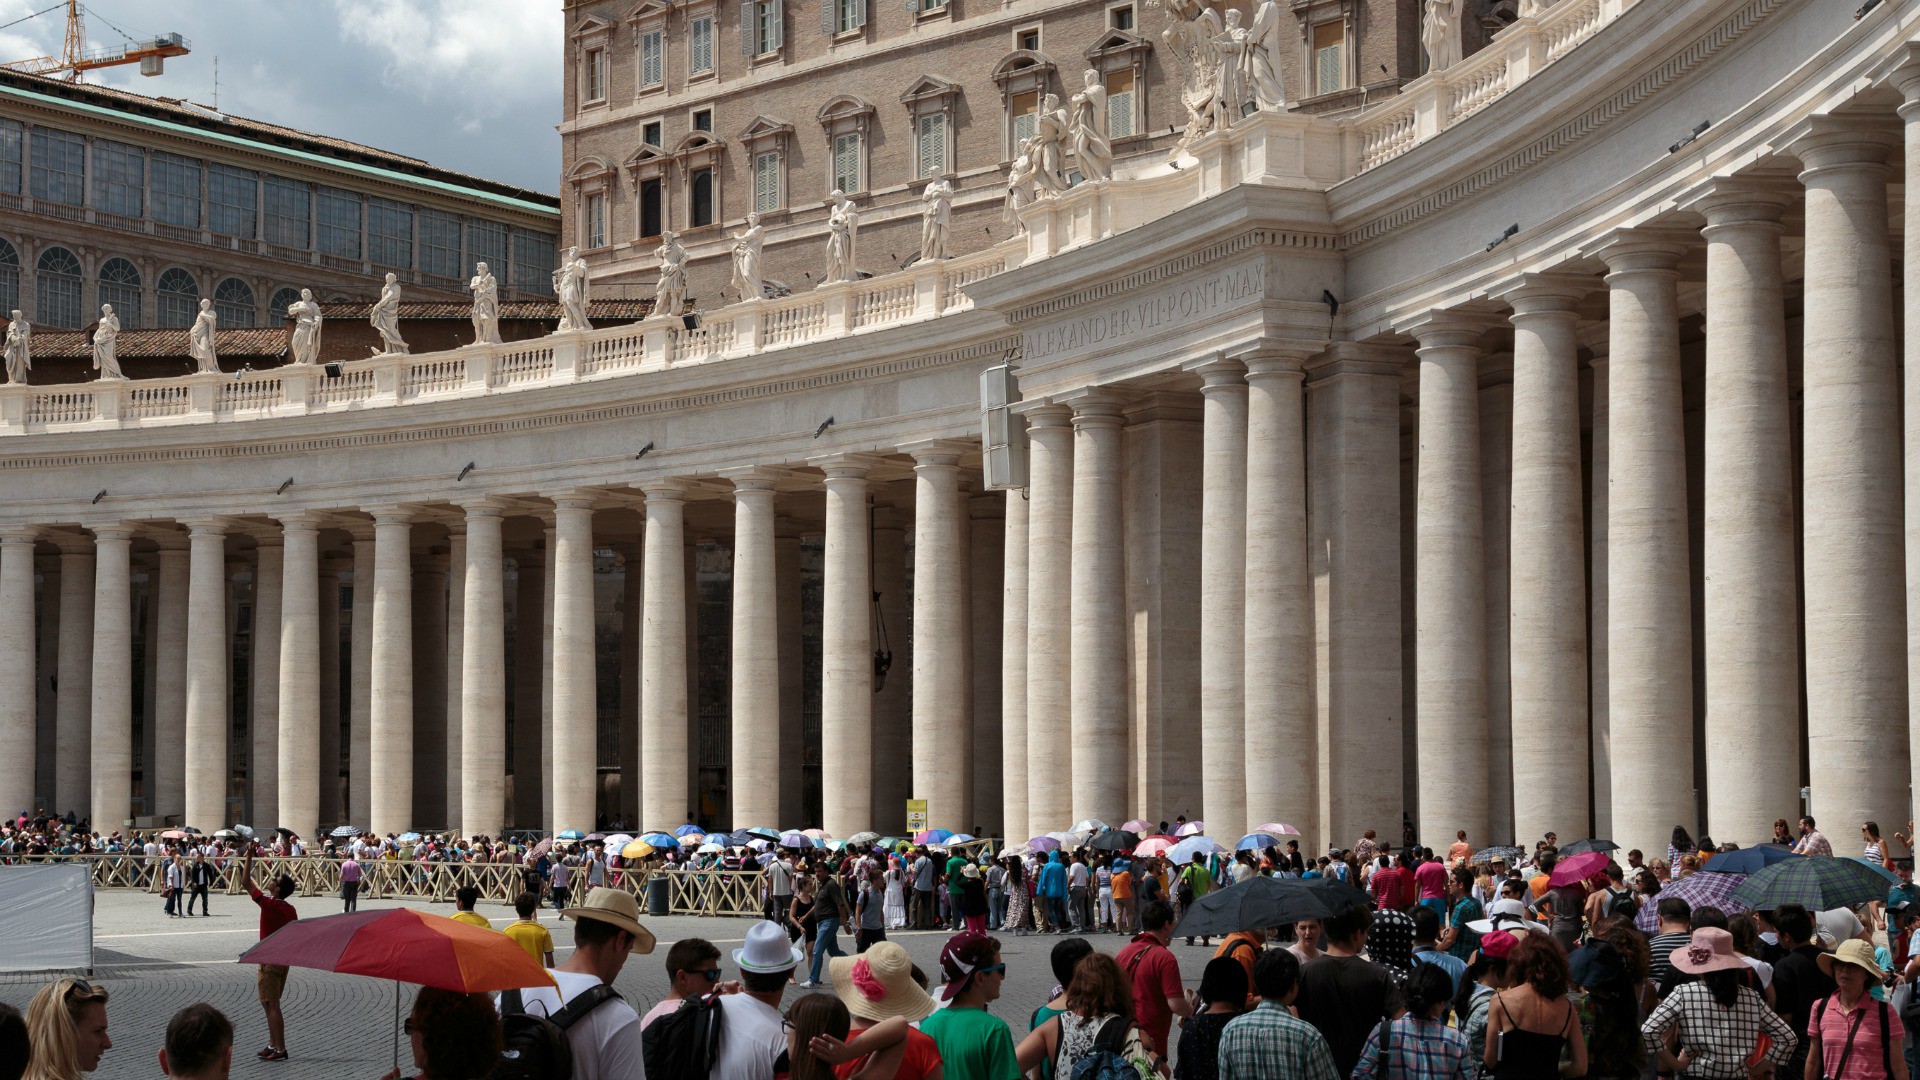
[1506, 914]
[767, 950]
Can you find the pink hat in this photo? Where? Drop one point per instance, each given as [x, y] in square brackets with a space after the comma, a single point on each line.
[1497, 944]
[1710, 950]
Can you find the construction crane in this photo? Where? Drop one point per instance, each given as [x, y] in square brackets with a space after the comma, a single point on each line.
[74, 58]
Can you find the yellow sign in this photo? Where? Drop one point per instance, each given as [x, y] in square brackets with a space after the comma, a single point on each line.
[916, 815]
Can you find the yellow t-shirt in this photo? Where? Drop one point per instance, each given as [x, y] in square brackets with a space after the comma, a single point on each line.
[532, 937]
[472, 919]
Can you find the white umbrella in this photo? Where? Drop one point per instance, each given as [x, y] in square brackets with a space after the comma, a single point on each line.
[1088, 828]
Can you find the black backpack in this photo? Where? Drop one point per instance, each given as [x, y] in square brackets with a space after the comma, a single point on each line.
[1620, 902]
[535, 1047]
[686, 1041]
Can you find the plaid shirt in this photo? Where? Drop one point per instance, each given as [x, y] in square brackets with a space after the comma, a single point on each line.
[1718, 1038]
[1271, 1042]
[1416, 1049]
[1813, 843]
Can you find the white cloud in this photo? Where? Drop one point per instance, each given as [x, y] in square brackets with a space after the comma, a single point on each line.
[482, 57]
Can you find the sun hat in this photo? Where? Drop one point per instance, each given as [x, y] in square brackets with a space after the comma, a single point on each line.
[767, 950]
[616, 906]
[1855, 952]
[878, 984]
[1496, 944]
[970, 871]
[1506, 914]
[1711, 949]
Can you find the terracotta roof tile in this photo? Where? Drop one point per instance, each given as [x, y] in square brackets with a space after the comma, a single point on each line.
[250, 341]
[511, 309]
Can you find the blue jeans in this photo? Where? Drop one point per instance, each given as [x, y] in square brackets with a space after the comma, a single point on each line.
[996, 908]
[1057, 912]
[826, 938]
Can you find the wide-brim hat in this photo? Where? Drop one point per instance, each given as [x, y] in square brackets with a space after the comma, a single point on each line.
[616, 906]
[878, 984]
[1855, 952]
[767, 951]
[1710, 949]
[1509, 915]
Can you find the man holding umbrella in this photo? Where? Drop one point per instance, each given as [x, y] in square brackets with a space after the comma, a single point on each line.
[275, 913]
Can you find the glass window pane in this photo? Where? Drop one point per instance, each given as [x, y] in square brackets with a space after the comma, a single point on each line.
[439, 244]
[289, 213]
[232, 200]
[179, 298]
[120, 286]
[119, 180]
[175, 190]
[12, 137]
[337, 214]
[390, 233]
[533, 263]
[57, 283]
[59, 166]
[233, 302]
[9, 276]
[487, 243]
[282, 300]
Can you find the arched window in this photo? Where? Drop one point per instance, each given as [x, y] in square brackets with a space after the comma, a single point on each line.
[120, 286]
[233, 302]
[282, 300]
[179, 298]
[57, 281]
[9, 277]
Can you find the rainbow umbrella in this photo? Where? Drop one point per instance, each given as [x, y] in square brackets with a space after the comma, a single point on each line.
[932, 836]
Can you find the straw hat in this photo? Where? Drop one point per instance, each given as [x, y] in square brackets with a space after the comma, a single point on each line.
[878, 985]
[1852, 951]
[616, 906]
[1710, 949]
[767, 950]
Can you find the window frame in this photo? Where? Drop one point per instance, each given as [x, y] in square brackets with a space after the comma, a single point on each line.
[764, 137]
[1020, 74]
[162, 296]
[323, 228]
[243, 180]
[380, 243]
[45, 296]
[658, 36]
[118, 291]
[763, 29]
[102, 187]
[44, 182]
[499, 260]
[13, 157]
[930, 95]
[702, 45]
[1344, 60]
[230, 311]
[1119, 51]
[421, 245]
[161, 201]
[270, 230]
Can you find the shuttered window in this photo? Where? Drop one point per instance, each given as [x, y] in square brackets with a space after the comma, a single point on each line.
[596, 74]
[1329, 57]
[846, 162]
[700, 45]
[1120, 104]
[842, 16]
[762, 26]
[766, 182]
[1026, 119]
[931, 145]
[652, 58]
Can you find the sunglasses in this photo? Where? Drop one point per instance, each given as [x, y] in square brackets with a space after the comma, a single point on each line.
[81, 988]
[709, 974]
[997, 969]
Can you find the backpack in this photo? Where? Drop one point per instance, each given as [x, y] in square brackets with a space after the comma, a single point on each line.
[686, 1041]
[1620, 903]
[1104, 1061]
[535, 1046]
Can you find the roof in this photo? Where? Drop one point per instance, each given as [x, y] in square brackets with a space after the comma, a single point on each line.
[548, 310]
[241, 341]
[273, 138]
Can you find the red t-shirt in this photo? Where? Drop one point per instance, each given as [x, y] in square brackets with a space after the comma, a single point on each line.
[923, 1056]
[274, 913]
[1156, 977]
[1432, 879]
[1391, 889]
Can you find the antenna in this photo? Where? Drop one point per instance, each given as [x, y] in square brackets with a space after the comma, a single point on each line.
[216, 82]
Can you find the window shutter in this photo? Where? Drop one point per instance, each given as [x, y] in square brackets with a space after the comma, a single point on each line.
[859, 13]
[778, 17]
[846, 162]
[1120, 114]
[1024, 127]
[828, 11]
[650, 67]
[747, 35]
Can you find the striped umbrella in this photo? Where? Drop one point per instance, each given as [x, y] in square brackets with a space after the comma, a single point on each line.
[1818, 882]
[1698, 890]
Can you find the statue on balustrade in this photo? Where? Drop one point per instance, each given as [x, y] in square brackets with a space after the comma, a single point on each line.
[843, 238]
[1234, 48]
[19, 350]
[1533, 9]
[106, 340]
[486, 306]
[1019, 187]
[385, 318]
[1263, 58]
[1190, 36]
[746, 260]
[1440, 33]
[936, 215]
[306, 328]
[1051, 131]
[570, 285]
[670, 293]
[200, 338]
[1092, 150]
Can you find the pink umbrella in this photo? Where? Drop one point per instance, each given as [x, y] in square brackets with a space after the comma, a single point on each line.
[1191, 828]
[1579, 867]
[1153, 847]
[1138, 826]
[1278, 828]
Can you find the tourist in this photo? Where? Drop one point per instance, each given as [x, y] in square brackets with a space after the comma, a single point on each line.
[1343, 994]
[896, 901]
[1426, 947]
[560, 883]
[1019, 900]
[1154, 972]
[275, 912]
[1811, 842]
[1430, 883]
[14, 1047]
[879, 987]
[1675, 929]
[953, 876]
[1306, 941]
[869, 916]
[1459, 939]
[1419, 1043]
[1850, 1025]
[1719, 1018]
[1269, 1041]
[693, 969]
[996, 878]
[829, 911]
[1123, 896]
[818, 1046]
[1486, 976]
[1392, 886]
[1225, 993]
[1096, 998]
[67, 1029]
[1799, 981]
[1053, 889]
[974, 1044]
[802, 917]
[464, 898]
[779, 887]
[1065, 957]
[531, 936]
[606, 930]
[972, 901]
[455, 1036]
[176, 887]
[754, 1036]
[1609, 1007]
[1196, 881]
[199, 1044]
[1079, 880]
[1460, 852]
[922, 914]
[1531, 1022]
[350, 873]
[200, 881]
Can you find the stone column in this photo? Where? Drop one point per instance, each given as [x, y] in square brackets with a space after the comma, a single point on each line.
[846, 647]
[1223, 596]
[1099, 620]
[300, 768]
[1450, 591]
[1907, 80]
[1750, 602]
[1856, 662]
[529, 664]
[455, 659]
[329, 771]
[111, 701]
[169, 780]
[429, 613]
[1014, 779]
[893, 698]
[360, 702]
[758, 775]
[576, 777]
[17, 655]
[1049, 606]
[1496, 515]
[207, 675]
[986, 540]
[1278, 635]
[263, 778]
[390, 806]
[793, 681]
[73, 786]
[942, 695]
[632, 577]
[483, 675]
[1547, 635]
[663, 660]
[546, 678]
[46, 676]
[1649, 625]
[1599, 715]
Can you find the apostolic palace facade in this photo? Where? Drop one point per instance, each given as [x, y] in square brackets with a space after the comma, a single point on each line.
[1510, 434]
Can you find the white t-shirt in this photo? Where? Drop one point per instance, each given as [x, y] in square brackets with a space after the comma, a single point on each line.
[606, 1041]
[751, 1039]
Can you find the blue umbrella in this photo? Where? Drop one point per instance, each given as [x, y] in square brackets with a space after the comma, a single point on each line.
[960, 838]
[1257, 841]
[740, 837]
[765, 833]
[1748, 860]
[796, 840]
[658, 839]
[408, 837]
[686, 830]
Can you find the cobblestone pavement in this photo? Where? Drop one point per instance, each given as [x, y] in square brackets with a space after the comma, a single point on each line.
[342, 1026]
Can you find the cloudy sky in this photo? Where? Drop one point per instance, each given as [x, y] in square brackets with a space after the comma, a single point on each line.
[472, 85]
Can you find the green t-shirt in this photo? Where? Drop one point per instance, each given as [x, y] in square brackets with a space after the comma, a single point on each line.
[1040, 1016]
[954, 866]
[974, 1044]
[1197, 879]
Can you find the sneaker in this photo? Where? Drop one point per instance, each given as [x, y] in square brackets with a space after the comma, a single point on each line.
[274, 1054]
[264, 1051]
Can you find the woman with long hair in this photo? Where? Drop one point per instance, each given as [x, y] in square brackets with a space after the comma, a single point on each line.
[1018, 899]
[1608, 1000]
[1720, 1019]
[817, 1027]
[896, 898]
[800, 921]
[1223, 996]
[1099, 1016]
[1486, 976]
[1680, 844]
[1419, 1044]
[67, 1028]
[1531, 1021]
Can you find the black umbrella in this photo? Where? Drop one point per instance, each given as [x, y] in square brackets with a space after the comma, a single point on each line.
[1487, 855]
[1114, 840]
[1579, 847]
[1268, 901]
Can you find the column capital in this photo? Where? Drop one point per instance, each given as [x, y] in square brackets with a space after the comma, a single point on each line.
[1835, 142]
[19, 534]
[1096, 407]
[393, 514]
[936, 453]
[1531, 295]
[1446, 329]
[267, 540]
[303, 520]
[665, 489]
[1358, 358]
[483, 506]
[1218, 372]
[1906, 77]
[1045, 413]
[755, 478]
[1734, 200]
[573, 499]
[846, 466]
[206, 526]
[111, 531]
[1642, 251]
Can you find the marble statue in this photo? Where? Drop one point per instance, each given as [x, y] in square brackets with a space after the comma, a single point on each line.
[670, 294]
[106, 340]
[200, 338]
[1533, 9]
[746, 260]
[1233, 48]
[1050, 147]
[1440, 33]
[1263, 57]
[1019, 186]
[1190, 36]
[385, 318]
[19, 349]
[486, 306]
[306, 328]
[570, 285]
[843, 239]
[936, 214]
[1092, 151]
